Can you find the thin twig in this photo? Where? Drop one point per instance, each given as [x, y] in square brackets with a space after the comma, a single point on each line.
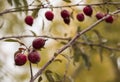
[28, 36]
[100, 45]
[70, 43]
[31, 72]
[44, 7]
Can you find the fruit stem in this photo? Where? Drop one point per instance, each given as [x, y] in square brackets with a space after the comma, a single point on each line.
[31, 72]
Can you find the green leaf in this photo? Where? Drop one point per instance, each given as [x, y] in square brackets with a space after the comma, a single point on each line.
[25, 6]
[14, 40]
[48, 71]
[11, 40]
[10, 2]
[40, 79]
[101, 54]
[58, 77]
[34, 34]
[17, 3]
[43, 25]
[58, 60]
[68, 1]
[2, 24]
[77, 53]
[49, 76]
[35, 12]
[86, 60]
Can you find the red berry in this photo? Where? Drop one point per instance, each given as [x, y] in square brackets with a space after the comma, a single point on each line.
[20, 59]
[34, 57]
[66, 20]
[88, 10]
[38, 43]
[80, 17]
[49, 15]
[29, 20]
[65, 14]
[109, 19]
[99, 15]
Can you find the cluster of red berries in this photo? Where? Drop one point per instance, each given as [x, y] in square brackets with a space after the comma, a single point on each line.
[65, 14]
[33, 55]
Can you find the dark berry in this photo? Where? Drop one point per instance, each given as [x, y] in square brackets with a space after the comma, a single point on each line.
[38, 43]
[20, 59]
[99, 15]
[49, 15]
[29, 20]
[34, 57]
[80, 17]
[66, 20]
[109, 19]
[65, 14]
[88, 10]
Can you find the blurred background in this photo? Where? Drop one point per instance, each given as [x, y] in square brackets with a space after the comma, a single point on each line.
[97, 65]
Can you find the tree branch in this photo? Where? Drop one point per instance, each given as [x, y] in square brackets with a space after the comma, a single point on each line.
[70, 43]
[28, 36]
[18, 9]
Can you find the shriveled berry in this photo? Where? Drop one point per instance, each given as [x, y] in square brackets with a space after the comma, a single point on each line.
[49, 15]
[66, 20]
[99, 15]
[20, 59]
[109, 19]
[80, 17]
[65, 14]
[34, 57]
[88, 10]
[29, 20]
[38, 43]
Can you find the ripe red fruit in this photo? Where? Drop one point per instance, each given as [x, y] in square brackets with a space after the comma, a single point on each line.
[29, 20]
[38, 43]
[34, 57]
[66, 20]
[88, 10]
[99, 15]
[20, 59]
[80, 17]
[109, 19]
[49, 15]
[65, 14]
